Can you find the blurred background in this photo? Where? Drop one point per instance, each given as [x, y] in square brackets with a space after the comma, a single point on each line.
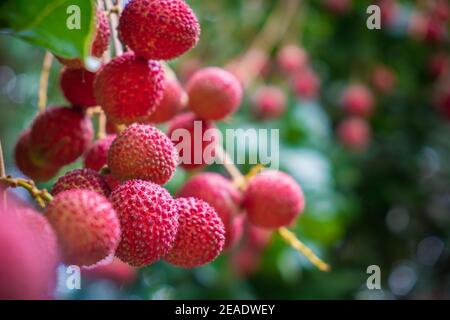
[365, 131]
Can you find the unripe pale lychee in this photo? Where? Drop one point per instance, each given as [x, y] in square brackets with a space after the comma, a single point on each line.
[214, 93]
[86, 225]
[273, 199]
[218, 192]
[149, 221]
[187, 132]
[142, 152]
[174, 100]
[358, 100]
[306, 84]
[201, 234]
[26, 164]
[97, 155]
[129, 88]
[60, 135]
[77, 86]
[159, 29]
[292, 59]
[269, 102]
[354, 133]
[81, 179]
[99, 44]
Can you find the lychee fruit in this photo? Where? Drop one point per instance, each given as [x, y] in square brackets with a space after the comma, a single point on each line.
[87, 179]
[233, 234]
[174, 100]
[383, 79]
[442, 100]
[117, 271]
[86, 225]
[268, 102]
[306, 84]
[438, 64]
[99, 44]
[218, 192]
[96, 156]
[338, 7]
[214, 93]
[358, 100]
[149, 221]
[292, 59]
[142, 152]
[159, 29]
[26, 164]
[60, 135]
[354, 133]
[201, 234]
[195, 140]
[273, 199]
[77, 86]
[129, 88]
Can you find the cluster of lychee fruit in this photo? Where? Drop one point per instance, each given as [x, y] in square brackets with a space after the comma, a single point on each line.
[116, 205]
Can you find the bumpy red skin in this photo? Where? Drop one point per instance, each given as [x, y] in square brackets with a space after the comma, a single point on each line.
[27, 254]
[99, 45]
[129, 88]
[25, 163]
[81, 179]
[149, 221]
[86, 225]
[306, 84]
[77, 86]
[60, 135]
[97, 155]
[201, 234]
[174, 100]
[354, 133]
[159, 29]
[143, 152]
[214, 93]
[196, 145]
[269, 102]
[358, 100]
[292, 59]
[273, 199]
[218, 192]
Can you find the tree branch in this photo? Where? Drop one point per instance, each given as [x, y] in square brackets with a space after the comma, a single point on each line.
[43, 83]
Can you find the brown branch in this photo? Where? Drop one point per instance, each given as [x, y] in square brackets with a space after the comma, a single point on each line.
[43, 83]
[101, 133]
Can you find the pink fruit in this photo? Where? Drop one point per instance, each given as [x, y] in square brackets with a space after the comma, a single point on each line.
[77, 86]
[338, 7]
[269, 102]
[292, 59]
[306, 84]
[383, 79]
[96, 156]
[358, 100]
[81, 179]
[354, 133]
[116, 271]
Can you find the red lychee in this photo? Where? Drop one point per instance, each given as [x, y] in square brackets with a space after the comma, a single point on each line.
[26, 164]
[201, 234]
[77, 86]
[81, 179]
[159, 29]
[149, 221]
[214, 93]
[338, 7]
[143, 152]
[86, 224]
[354, 133]
[233, 234]
[116, 271]
[269, 102]
[292, 58]
[273, 199]
[218, 192]
[358, 100]
[306, 84]
[383, 79]
[60, 135]
[195, 140]
[97, 155]
[99, 44]
[129, 88]
[174, 100]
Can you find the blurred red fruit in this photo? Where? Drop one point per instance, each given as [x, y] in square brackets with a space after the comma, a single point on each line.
[292, 59]
[354, 133]
[306, 84]
[358, 100]
[383, 79]
[338, 7]
[116, 271]
[268, 102]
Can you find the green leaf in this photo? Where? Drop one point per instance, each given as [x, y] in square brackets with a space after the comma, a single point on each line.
[44, 23]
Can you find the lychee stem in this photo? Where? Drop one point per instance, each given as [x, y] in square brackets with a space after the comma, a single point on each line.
[43, 83]
[113, 13]
[295, 243]
[101, 133]
[41, 196]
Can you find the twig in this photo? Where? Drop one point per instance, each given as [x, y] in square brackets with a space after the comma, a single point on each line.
[227, 162]
[101, 133]
[294, 242]
[41, 196]
[43, 83]
[114, 13]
